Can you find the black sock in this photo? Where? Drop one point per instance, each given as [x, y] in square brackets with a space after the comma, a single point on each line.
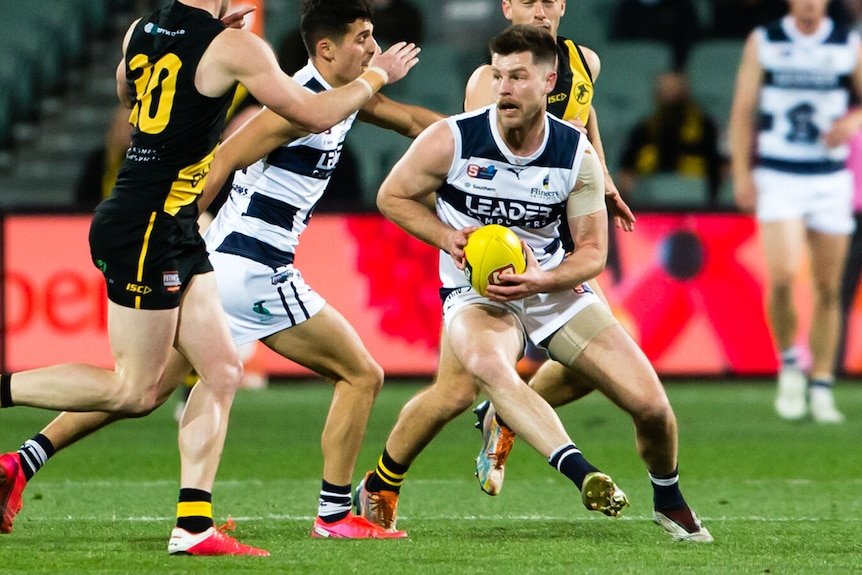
[569, 461]
[194, 510]
[6, 390]
[388, 476]
[666, 493]
[34, 453]
[334, 502]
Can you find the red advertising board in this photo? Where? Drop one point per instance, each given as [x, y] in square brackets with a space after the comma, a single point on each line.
[690, 293]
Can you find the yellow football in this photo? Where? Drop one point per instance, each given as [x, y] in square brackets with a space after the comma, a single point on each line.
[491, 251]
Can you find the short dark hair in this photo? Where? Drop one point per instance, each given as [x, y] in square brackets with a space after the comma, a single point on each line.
[524, 38]
[330, 19]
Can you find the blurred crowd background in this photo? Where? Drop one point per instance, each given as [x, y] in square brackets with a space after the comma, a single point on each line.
[663, 96]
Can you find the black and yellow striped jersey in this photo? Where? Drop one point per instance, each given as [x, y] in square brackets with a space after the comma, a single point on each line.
[176, 129]
[573, 93]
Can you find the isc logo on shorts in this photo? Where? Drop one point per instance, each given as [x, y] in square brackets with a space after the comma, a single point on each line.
[139, 289]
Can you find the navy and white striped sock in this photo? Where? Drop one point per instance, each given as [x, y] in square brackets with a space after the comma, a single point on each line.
[34, 453]
[666, 493]
[334, 502]
[569, 461]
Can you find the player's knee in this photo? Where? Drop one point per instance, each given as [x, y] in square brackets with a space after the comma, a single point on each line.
[781, 290]
[135, 401]
[827, 294]
[462, 400]
[370, 380]
[655, 413]
[226, 377]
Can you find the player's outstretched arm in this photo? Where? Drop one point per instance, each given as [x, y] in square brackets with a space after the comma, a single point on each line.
[238, 55]
[256, 138]
[406, 119]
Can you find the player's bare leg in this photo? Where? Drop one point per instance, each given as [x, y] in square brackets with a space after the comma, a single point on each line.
[488, 341]
[64, 430]
[828, 256]
[141, 355]
[784, 249]
[453, 392]
[204, 339]
[619, 369]
[420, 420]
[328, 345]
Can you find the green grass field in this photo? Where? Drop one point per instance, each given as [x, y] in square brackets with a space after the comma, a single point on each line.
[778, 497]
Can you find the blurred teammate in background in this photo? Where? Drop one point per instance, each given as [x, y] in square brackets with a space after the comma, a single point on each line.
[178, 74]
[789, 167]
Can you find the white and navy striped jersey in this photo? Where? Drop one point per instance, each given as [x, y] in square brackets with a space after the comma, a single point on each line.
[807, 81]
[271, 201]
[488, 184]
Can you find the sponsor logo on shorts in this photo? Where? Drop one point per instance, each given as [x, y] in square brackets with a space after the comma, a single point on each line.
[138, 288]
[283, 277]
[171, 281]
[451, 299]
[582, 289]
[265, 314]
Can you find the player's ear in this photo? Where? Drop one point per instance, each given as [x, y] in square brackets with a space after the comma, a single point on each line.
[325, 49]
[550, 81]
[562, 8]
[507, 8]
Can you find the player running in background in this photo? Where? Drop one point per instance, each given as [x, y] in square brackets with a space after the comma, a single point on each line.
[178, 73]
[789, 166]
[517, 148]
[637, 391]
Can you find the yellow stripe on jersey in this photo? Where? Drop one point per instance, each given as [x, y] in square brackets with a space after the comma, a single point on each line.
[143, 256]
[189, 184]
[581, 95]
[238, 97]
[195, 509]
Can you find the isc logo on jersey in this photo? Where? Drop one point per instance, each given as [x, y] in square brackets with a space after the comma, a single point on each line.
[492, 251]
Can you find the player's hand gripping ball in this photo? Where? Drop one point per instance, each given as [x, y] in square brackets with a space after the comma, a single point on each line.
[491, 251]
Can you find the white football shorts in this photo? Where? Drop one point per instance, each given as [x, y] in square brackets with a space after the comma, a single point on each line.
[260, 302]
[823, 201]
[540, 315]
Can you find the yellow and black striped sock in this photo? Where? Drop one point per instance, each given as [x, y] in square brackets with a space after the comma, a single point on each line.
[388, 476]
[195, 510]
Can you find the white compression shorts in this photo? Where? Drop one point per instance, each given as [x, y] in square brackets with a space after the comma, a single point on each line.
[540, 315]
[259, 301]
[823, 201]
